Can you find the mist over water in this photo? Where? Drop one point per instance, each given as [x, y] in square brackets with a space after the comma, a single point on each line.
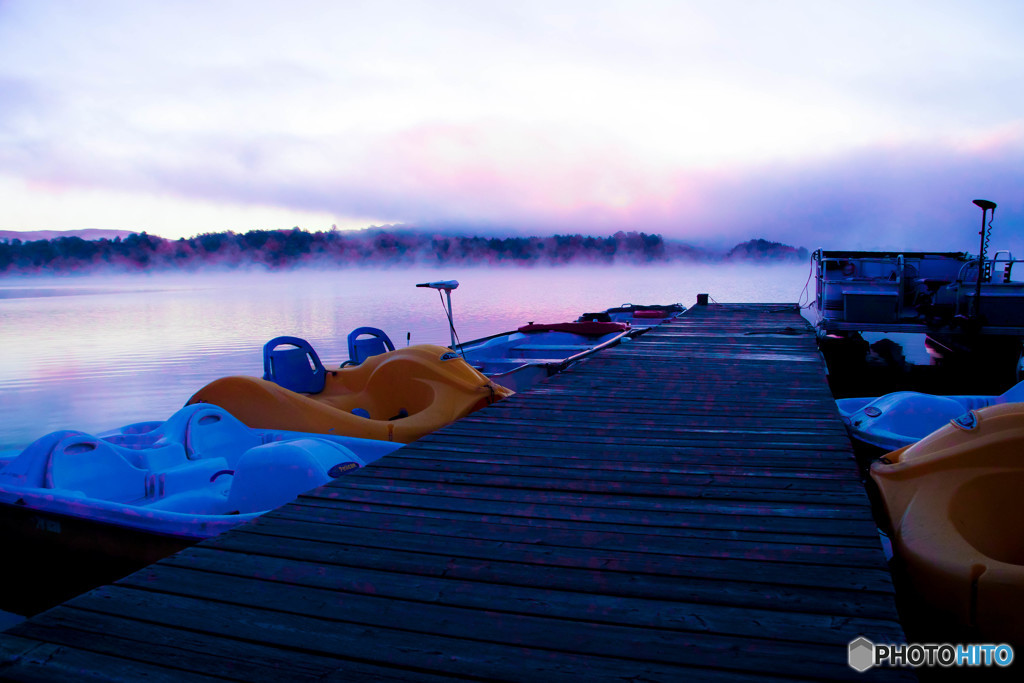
[93, 353]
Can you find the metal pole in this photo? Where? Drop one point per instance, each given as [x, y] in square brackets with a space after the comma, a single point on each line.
[981, 265]
[984, 205]
[447, 286]
[451, 321]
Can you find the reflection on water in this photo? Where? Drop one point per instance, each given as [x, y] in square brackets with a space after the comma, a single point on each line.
[99, 352]
[38, 292]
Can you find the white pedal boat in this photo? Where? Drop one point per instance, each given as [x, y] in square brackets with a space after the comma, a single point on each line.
[901, 418]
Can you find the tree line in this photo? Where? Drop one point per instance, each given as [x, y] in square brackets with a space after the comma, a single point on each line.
[282, 249]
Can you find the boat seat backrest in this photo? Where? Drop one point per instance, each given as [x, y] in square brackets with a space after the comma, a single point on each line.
[297, 369]
[376, 343]
[29, 468]
[95, 468]
[215, 433]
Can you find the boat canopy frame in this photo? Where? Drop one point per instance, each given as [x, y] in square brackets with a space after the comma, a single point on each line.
[916, 291]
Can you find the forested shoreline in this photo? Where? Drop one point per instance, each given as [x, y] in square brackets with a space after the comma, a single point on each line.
[283, 249]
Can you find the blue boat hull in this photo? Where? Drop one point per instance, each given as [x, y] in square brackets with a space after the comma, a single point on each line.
[191, 477]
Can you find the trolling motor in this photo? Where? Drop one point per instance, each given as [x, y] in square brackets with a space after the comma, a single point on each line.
[986, 235]
[446, 286]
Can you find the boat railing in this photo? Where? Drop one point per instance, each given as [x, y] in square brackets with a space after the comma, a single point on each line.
[1007, 262]
[840, 277]
[909, 288]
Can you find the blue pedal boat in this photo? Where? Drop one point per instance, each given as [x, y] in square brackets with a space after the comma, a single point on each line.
[901, 418]
[188, 478]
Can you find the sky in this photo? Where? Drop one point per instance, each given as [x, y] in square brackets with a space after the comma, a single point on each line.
[819, 123]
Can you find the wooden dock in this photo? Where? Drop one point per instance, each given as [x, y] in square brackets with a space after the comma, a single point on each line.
[683, 506]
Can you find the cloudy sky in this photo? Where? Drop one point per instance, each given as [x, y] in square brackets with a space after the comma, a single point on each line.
[844, 124]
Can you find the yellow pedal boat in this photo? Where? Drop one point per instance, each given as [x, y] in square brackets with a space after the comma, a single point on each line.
[956, 503]
[399, 396]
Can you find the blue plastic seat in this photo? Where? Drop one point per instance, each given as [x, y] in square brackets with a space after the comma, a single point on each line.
[297, 369]
[80, 462]
[361, 349]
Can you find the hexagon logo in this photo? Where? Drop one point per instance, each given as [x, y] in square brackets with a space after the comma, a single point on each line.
[862, 654]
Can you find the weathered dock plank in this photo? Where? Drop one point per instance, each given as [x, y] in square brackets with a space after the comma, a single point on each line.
[685, 505]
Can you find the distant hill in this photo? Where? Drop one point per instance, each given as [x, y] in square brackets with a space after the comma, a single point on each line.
[87, 234]
[764, 250]
[278, 249]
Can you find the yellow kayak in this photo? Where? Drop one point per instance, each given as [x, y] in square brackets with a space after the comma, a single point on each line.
[396, 396]
[956, 503]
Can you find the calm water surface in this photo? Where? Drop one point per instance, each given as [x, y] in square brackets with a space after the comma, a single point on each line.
[94, 353]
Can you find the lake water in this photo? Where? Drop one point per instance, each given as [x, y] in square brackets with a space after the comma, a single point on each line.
[93, 353]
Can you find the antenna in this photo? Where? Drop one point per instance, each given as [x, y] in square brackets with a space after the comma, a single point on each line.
[446, 286]
[986, 234]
